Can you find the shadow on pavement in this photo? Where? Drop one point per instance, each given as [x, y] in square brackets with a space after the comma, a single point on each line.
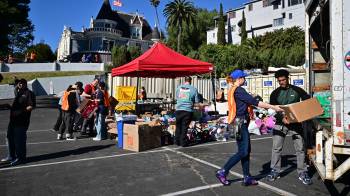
[55, 155]
[333, 189]
[285, 162]
[77, 151]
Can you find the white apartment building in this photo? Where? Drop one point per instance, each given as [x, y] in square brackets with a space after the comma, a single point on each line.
[261, 16]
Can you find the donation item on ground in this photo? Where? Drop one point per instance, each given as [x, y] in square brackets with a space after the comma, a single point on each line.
[141, 137]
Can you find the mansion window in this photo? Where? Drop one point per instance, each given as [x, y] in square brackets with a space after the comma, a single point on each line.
[136, 33]
[108, 45]
[278, 22]
[232, 14]
[213, 35]
[250, 7]
[290, 16]
[294, 2]
[265, 3]
[233, 28]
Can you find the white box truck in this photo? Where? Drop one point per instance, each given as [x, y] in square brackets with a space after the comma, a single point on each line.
[327, 44]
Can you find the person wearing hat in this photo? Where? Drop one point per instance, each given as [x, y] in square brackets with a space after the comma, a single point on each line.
[69, 105]
[240, 112]
[20, 112]
[186, 96]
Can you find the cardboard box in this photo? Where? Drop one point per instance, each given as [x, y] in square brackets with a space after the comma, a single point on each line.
[83, 105]
[141, 137]
[302, 111]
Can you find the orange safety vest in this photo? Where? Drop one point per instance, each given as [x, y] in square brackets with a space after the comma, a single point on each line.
[232, 109]
[65, 105]
[106, 98]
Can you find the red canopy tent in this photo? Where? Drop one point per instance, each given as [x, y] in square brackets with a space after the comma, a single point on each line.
[162, 62]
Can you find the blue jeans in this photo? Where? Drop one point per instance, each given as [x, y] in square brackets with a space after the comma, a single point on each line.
[243, 153]
[101, 126]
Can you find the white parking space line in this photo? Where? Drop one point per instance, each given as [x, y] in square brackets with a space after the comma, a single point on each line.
[80, 160]
[200, 145]
[218, 143]
[261, 184]
[191, 190]
[112, 156]
[50, 142]
[31, 131]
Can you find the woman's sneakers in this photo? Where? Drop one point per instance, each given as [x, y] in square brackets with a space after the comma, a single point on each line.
[221, 176]
[248, 181]
[59, 137]
[69, 137]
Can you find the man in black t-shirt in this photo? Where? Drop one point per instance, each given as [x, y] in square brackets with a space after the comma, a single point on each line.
[283, 95]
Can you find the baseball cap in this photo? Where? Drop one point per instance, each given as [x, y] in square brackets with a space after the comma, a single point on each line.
[238, 74]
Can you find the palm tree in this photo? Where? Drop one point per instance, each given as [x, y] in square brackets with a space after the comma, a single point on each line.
[155, 4]
[179, 13]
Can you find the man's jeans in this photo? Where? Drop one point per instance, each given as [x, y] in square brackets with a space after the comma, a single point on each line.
[243, 153]
[277, 147]
[17, 138]
[101, 126]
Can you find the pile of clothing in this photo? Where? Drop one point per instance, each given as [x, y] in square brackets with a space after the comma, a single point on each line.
[263, 122]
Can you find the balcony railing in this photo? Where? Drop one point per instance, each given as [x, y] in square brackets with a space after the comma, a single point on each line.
[102, 29]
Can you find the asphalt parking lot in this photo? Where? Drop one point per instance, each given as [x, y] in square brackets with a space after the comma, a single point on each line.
[86, 167]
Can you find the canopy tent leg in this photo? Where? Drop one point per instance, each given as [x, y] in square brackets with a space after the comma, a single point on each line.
[213, 79]
[137, 96]
[173, 92]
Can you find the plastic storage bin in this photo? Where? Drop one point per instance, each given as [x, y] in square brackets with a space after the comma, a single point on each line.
[129, 119]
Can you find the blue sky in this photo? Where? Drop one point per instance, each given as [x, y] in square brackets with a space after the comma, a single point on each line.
[49, 16]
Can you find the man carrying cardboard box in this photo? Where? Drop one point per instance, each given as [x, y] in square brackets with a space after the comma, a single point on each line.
[283, 95]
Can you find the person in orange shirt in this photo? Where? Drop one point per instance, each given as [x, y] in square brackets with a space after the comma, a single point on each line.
[69, 105]
[32, 57]
[239, 102]
[143, 94]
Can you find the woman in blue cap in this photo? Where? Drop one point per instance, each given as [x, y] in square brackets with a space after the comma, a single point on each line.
[239, 102]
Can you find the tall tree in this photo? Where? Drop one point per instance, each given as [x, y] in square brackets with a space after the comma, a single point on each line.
[155, 4]
[15, 27]
[120, 55]
[243, 29]
[194, 36]
[179, 13]
[221, 28]
[134, 52]
[43, 53]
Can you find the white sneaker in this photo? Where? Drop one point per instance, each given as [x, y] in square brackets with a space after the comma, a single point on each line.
[59, 136]
[6, 159]
[96, 139]
[70, 137]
